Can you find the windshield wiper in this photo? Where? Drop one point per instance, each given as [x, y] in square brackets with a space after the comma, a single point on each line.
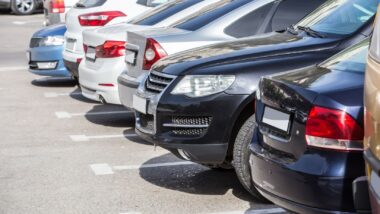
[311, 32]
[292, 30]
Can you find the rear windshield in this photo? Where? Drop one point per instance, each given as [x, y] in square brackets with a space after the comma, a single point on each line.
[341, 17]
[89, 3]
[162, 12]
[353, 59]
[209, 14]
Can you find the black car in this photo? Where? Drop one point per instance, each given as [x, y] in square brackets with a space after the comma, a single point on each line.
[195, 103]
[21, 7]
[308, 142]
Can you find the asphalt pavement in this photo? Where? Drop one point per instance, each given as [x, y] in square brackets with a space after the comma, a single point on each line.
[61, 153]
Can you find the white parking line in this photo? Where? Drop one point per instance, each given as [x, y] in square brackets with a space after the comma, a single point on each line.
[13, 68]
[130, 213]
[130, 167]
[106, 169]
[65, 115]
[82, 138]
[53, 94]
[252, 211]
[25, 22]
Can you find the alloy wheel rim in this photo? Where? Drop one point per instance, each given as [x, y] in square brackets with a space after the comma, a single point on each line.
[24, 6]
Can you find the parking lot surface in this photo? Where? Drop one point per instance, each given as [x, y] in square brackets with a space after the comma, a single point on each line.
[61, 153]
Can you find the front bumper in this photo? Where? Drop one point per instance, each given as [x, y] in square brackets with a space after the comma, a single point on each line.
[51, 54]
[91, 77]
[314, 183]
[200, 128]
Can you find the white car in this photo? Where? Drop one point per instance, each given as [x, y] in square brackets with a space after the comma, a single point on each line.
[104, 47]
[55, 10]
[89, 14]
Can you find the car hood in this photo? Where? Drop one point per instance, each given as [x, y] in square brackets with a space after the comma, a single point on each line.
[53, 30]
[242, 50]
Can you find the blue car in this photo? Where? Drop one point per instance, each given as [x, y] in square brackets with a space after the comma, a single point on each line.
[45, 52]
[307, 145]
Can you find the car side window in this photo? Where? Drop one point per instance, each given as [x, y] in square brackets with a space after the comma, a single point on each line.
[291, 11]
[249, 24]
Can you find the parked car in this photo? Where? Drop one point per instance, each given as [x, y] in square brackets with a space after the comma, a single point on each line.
[308, 138]
[21, 7]
[55, 10]
[45, 52]
[101, 67]
[91, 14]
[226, 21]
[194, 103]
[367, 188]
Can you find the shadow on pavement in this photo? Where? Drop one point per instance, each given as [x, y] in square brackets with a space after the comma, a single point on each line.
[53, 82]
[103, 115]
[194, 179]
[76, 95]
[9, 12]
[129, 135]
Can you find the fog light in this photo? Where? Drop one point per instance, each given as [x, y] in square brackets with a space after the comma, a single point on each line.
[46, 65]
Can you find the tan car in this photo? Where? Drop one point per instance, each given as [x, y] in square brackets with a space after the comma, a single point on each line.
[372, 118]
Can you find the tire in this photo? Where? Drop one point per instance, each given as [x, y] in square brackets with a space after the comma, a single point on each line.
[241, 157]
[24, 7]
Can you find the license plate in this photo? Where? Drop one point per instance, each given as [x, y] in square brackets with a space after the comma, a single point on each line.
[130, 57]
[276, 119]
[90, 54]
[70, 44]
[139, 104]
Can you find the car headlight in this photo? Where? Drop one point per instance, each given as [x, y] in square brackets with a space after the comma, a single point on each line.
[203, 85]
[52, 40]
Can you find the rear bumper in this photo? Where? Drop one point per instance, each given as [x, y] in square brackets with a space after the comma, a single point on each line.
[318, 181]
[91, 77]
[127, 88]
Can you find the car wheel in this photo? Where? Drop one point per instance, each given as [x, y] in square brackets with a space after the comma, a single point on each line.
[241, 157]
[23, 7]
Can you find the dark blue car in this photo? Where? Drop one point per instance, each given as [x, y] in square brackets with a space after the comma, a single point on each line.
[307, 142]
[45, 52]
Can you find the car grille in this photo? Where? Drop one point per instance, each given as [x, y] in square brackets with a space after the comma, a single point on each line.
[189, 126]
[34, 42]
[157, 82]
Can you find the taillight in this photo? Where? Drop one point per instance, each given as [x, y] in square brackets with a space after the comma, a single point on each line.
[57, 6]
[85, 47]
[110, 49]
[99, 18]
[153, 53]
[333, 129]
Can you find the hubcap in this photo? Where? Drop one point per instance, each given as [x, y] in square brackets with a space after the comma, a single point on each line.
[24, 6]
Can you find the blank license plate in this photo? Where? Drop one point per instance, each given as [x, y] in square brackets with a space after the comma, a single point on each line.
[276, 119]
[139, 104]
[70, 44]
[90, 54]
[130, 57]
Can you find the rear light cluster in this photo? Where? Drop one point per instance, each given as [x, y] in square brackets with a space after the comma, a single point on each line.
[109, 49]
[333, 129]
[99, 18]
[153, 53]
[57, 6]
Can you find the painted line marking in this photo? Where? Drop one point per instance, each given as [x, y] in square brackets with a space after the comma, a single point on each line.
[82, 138]
[65, 115]
[251, 211]
[101, 169]
[106, 169]
[130, 213]
[53, 94]
[24, 22]
[13, 68]
[131, 167]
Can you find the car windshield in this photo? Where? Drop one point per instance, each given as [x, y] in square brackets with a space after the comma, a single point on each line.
[352, 59]
[209, 14]
[89, 3]
[340, 17]
[162, 12]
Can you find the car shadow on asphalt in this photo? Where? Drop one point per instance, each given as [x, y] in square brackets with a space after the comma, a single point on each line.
[102, 115]
[53, 82]
[9, 12]
[130, 135]
[193, 179]
[77, 95]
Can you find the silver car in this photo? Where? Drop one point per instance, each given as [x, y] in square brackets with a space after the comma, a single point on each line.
[222, 21]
